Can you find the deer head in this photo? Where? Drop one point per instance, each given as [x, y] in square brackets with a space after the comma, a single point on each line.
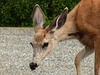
[44, 39]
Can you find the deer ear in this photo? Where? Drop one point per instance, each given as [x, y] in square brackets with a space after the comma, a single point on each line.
[62, 18]
[59, 21]
[38, 16]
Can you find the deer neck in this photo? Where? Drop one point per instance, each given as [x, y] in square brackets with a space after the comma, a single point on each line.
[68, 28]
[72, 14]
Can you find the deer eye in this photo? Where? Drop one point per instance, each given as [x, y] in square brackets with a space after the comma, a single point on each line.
[45, 45]
[31, 44]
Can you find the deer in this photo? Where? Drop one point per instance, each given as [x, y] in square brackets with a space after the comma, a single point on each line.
[81, 23]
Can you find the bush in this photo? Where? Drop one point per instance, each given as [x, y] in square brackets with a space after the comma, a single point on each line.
[18, 13]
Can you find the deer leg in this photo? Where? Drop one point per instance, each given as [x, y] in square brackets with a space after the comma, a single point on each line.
[97, 55]
[80, 56]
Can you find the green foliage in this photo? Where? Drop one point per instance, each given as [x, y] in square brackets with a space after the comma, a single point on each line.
[18, 13]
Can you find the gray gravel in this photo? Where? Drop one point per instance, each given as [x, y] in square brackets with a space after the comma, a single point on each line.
[16, 54]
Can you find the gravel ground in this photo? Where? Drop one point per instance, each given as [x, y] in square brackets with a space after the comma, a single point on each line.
[16, 54]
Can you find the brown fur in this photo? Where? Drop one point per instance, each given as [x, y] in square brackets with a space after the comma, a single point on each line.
[39, 36]
[84, 19]
[88, 22]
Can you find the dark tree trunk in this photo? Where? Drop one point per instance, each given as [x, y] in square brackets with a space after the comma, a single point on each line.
[49, 11]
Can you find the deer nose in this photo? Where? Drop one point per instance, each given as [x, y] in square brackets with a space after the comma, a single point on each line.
[33, 66]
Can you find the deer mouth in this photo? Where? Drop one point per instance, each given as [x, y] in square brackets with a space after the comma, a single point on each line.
[33, 66]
